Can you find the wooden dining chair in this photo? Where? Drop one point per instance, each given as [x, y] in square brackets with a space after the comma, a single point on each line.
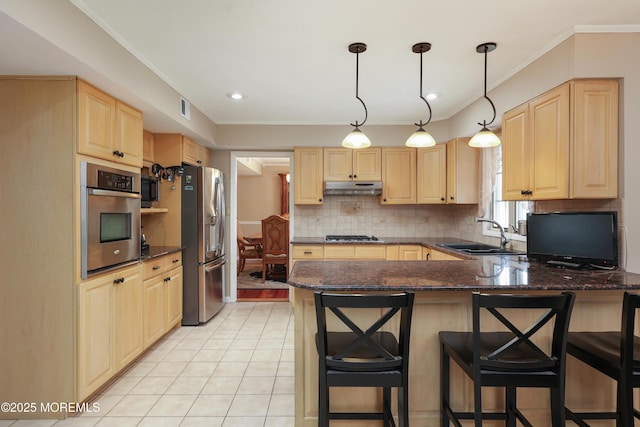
[275, 244]
[246, 250]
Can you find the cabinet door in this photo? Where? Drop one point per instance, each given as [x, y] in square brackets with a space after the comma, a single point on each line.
[96, 122]
[154, 309]
[515, 154]
[398, 176]
[128, 135]
[128, 340]
[549, 137]
[463, 167]
[367, 164]
[338, 164]
[147, 146]
[190, 151]
[432, 173]
[595, 139]
[436, 255]
[410, 252]
[308, 176]
[204, 156]
[95, 335]
[173, 290]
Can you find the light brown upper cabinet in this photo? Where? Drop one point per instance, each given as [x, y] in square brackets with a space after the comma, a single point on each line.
[346, 164]
[448, 173]
[398, 176]
[594, 144]
[463, 168]
[308, 173]
[176, 148]
[194, 153]
[147, 147]
[563, 144]
[107, 128]
[432, 175]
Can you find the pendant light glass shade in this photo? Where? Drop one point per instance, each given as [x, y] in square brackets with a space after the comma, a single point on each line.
[356, 139]
[421, 138]
[485, 138]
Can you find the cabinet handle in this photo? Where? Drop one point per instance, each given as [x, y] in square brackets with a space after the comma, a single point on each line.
[427, 256]
[442, 199]
[451, 197]
[351, 176]
[319, 200]
[167, 279]
[175, 260]
[199, 162]
[156, 267]
[116, 153]
[119, 280]
[384, 200]
[308, 252]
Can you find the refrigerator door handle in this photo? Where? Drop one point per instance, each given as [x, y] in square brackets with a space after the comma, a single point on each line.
[221, 211]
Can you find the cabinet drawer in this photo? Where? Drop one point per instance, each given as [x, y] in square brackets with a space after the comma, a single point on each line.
[173, 260]
[154, 266]
[339, 252]
[307, 252]
[370, 252]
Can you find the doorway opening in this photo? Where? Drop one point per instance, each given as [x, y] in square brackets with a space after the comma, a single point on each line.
[261, 186]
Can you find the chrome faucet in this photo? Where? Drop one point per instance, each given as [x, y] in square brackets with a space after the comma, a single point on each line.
[503, 238]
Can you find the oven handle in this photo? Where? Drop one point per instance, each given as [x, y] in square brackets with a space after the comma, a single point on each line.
[111, 193]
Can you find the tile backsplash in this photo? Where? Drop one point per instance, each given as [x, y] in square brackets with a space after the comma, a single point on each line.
[364, 215]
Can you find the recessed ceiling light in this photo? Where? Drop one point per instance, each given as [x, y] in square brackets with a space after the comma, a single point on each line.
[432, 96]
[235, 95]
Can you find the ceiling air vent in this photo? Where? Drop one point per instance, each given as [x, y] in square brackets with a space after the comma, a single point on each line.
[185, 108]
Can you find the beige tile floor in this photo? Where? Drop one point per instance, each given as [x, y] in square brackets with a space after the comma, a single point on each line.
[235, 370]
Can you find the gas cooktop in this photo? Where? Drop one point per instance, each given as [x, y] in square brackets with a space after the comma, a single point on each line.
[349, 238]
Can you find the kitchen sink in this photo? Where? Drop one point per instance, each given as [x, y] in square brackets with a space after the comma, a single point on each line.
[479, 249]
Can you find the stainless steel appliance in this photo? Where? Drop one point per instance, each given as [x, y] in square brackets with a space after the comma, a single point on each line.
[203, 216]
[149, 190]
[352, 188]
[109, 218]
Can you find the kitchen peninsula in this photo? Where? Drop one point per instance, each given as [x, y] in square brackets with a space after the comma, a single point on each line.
[443, 302]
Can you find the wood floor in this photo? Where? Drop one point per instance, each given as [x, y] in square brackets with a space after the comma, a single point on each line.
[263, 294]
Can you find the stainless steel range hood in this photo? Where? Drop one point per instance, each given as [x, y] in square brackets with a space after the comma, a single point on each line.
[352, 188]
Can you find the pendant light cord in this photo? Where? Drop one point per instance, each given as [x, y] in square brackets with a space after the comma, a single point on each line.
[366, 114]
[484, 122]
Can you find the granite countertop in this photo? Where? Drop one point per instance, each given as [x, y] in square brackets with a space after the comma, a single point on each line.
[478, 274]
[156, 251]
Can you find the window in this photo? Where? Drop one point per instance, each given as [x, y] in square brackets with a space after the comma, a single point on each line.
[506, 213]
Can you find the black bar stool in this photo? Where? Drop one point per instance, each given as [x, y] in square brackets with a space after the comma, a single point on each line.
[364, 356]
[617, 355]
[508, 359]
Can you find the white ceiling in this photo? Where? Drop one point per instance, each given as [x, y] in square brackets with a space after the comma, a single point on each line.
[290, 57]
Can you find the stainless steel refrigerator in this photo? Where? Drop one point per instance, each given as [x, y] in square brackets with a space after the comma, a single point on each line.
[203, 217]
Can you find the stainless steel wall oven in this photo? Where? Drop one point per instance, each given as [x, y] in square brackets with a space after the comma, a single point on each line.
[109, 218]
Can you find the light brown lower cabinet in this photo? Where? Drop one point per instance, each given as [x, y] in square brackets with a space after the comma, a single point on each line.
[109, 326]
[369, 252]
[122, 313]
[162, 300]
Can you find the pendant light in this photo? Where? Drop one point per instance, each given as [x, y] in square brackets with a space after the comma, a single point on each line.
[356, 138]
[485, 138]
[421, 138]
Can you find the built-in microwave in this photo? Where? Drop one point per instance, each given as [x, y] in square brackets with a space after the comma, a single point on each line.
[109, 218]
[149, 190]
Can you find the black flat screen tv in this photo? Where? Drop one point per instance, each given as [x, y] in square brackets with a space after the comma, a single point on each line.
[573, 239]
